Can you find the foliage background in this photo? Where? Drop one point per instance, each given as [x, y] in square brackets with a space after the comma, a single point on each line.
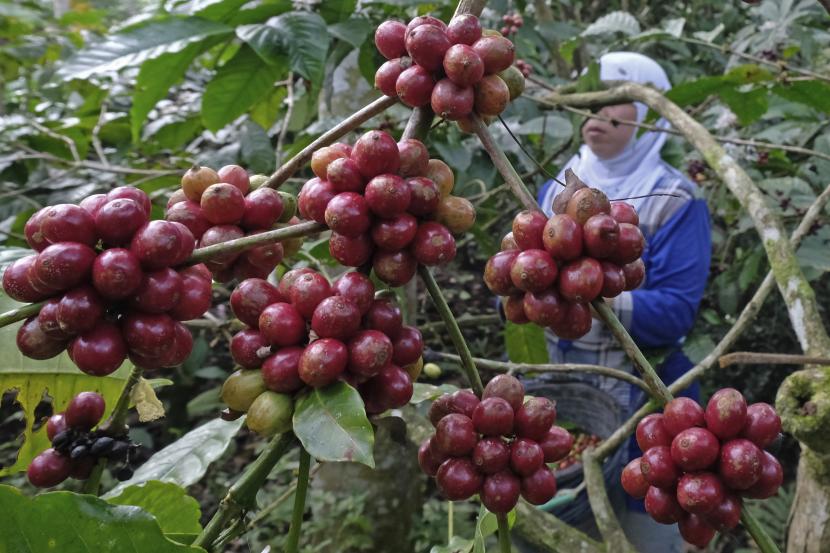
[107, 93]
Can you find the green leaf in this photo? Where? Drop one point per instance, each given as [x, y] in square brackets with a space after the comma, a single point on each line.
[139, 44]
[694, 92]
[185, 461]
[525, 343]
[457, 545]
[337, 10]
[747, 106]
[175, 511]
[698, 346]
[354, 30]
[589, 81]
[155, 79]
[255, 148]
[240, 83]
[814, 248]
[331, 423]
[815, 94]
[215, 10]
[427, 392]
[265, 112]
[174, 133]
[58, 377]
[70, 523]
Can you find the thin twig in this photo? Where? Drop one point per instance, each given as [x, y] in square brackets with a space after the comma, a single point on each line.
[23, 312]
[288, 113]
[96, 140]
[73, 149]
[268, 509]
[95, 165]
[609, 527]
[754, 358]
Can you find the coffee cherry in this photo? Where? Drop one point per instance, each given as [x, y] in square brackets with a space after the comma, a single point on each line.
[651, 432]
[630, 244]
[313, 198]
[562, 237]
[576, 323]
[515, 81]
[587, 202]
[682, 413]
[395, 233]
[390, 389]
[772, 475]
[635, 273]
[458, 479]
[321, 158]
[235, 175]
[441, 174]
[131, 193]
[662, 505]
[557, 444]
[414, 157]
[658, 468]
[47, 320]
[534, 418]
[344, 176]
[601, 235]
[84, 411]
[408, 346]
[533, 270]
[699, 493]
[217, 235]
[496, 52]
[456, 435]
[544, 308]
[581, 280]
[116, 274]
[387, 195]
[463, 66]
[245, 346]
[451, 101]
[181, 348]
[281, 371]
[270, 414]
[424, 196]
[740, 464]
[357, 288]
[369, 352]
[48, 469]
[433, 244]
[726, 515]
[306, 293]
[195, 298]
[323, 361]
[160, 244]
[117, 220]
[178, 196]
[514, 309]
[539, 487]
[427, 460]
[55, 425]
[159, 291]
[67, 223]
[258, 262]
[726, 413]
[527, 229]
[694, 449]
[251, 297]
[394, 268]
[493, 417]
[241, 388]
[389, 39]
[376, 153]
[32, 231]
[385, 316]
[17, 283]
[456, 213]
[491, 455]
[335, 317]
[386, 77]
[148, 335]
[696, 531]
[464, 29]
[497, 273]
[613, 279]
[526, 456]
[425, 20]
[442, 407]
[100, 351]
[79, 310]
[506, 387]
[500, 492]
[351, 252]
[623, 212]
[348, 214]
[62, 266]
[282, 324]
[414, 86]
[196, 180]
[762, 424]
[463, 402]
[632, 480]
[263, 207]
[491, 95]
[223, 204]
[426, 45]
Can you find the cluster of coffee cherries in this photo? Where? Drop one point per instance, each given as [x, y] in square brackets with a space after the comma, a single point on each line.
[458, 69]
[218, 206]
[699, 463]
[307, 332]
[76, 448]
[498, 447]
[107, 275]
[379, 198]
[551, 269]
[512, 23]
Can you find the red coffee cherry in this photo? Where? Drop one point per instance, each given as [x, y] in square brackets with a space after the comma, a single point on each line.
[387, 75]
[245, 347]
[391, 388]
[695, 449]
[427, 460]
[458, 479]
[763, 425]
[630, 244]
[388, 195]
[633, 481]
[414, 86]
[682, 413]
[281, 371]
[389, 39]
[544, 308]
[658, 468]
[772, 475]
[433, 244]
[369, 352]
[84, 411]
[335, 317]
[159, 291]
[424, 196]
[67, 223]
[223, 204]
[376, 153]
[506, 387]
[323, 361]
[635, 274]
[344, 175]
[726, 515]
[55, 425]
[652, 432]
[623, 212]
[356, 287]
[456, 435]
[426, 45]
[496, 52]
[601, 235]
[491, 455]
[500, 492]
[313, 198]
[263, 207]
[726, 413]
[235, 175]
[385, 316]
[696, 531]
[131, 193]
[662, 505]
[539, 487]
[464, 29]
[79, 310]
[351, 252]
[394, 268]
[493, 417]
[307, 291]
[497, 273]
[740, 464]
[562, 237]
[117, 220]
[699, 493]
[48, 469]
[196, 295]
[414, 158]
[526, 457]
[408, 346]
[556, 444]
[100, 351]
[116, 273]
[282, 324]
[534, 271]
[160, 244]
[527, 229]
[534, 418]
[17, 282]
[251, 297]
[62, 266]
[581, 280]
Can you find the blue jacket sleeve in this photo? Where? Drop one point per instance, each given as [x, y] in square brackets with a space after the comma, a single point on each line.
[677, 266]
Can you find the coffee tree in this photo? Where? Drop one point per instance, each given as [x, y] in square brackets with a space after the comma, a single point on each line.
[111, 282]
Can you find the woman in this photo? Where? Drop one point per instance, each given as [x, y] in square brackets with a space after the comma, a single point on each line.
[661, 312]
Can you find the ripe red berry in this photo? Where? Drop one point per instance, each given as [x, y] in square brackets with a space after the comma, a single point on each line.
[282, 324]
[79, 310]
[662, 505]
[217, 235]
[576, 323]
[48, 469]
[534, 418]
[463, 66]
[506, 387]
[159, 291]
[526, 456]
[148, 335]
[84, 411]
[658, 468]
[427, 45]
[394, 268]
[100, 351]
[322, 158]
[344, 175]
[726, 413]
[376, 153]
[235, 175]
[635, 274]
[464, 29]
[425, 20]
[491, 455]
[356, 287]
[281, 370]
[514, 309]
[539, 487]
[500, 492]
[433, 244]
[762, 424]
[581, 280]
[424, 196]
[313, 198]
[245, 346]
[389, 39]
[323, 361]
[682, 413]
[132, 193]
[388, 195]
[17, 282]
[223, 204]
[351, 252]
[196, 295]
[700, 492]
[772, 475]
[161, 244]
[385, 316]
[527, 229]
[116, 273]
[695, 449]
[633, 481]
[496, 52]
[651, 432]
[456, 435]
[696, 531]
[623, 212]
[386, 77]
[630, 244]
[32, 231]
[47, 320]
[463, 402]
[307, 291]
[335, 317]
[726, 515]
[613, 279]
[251, 297]
[414, 86]
[458, 479]
[601, 234]
[427, 459]
[534, 270]
[497, 271]
[62, 266]
[263, 207]
[391, 388]
[348, 214]
[117, 220]
[451, 101]
[67, 223]
[414, 157]
[369, 352]
[493, 417]
[408, 346]
[556, 444]
[740, 464]
[55, 425]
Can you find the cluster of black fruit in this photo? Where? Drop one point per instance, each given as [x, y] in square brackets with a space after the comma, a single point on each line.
[76, 448]
[551, 269]
[378, 198]
[218, 206]
[307, 332]
[457, 69]
[108, 276]
[699, 463]
[497, 447]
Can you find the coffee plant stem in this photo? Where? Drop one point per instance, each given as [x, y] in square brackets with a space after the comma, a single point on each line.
[246, 242]
[504, 534]
[24, 312]
[329, 137]
[656, 386]
[609, 527]
[241, 495]
[503, 165]
[293, 539]
[467, 364]
[450, 521]
[754, 528]
[510, 367]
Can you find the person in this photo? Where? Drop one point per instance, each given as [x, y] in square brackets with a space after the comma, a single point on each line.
[659, 314]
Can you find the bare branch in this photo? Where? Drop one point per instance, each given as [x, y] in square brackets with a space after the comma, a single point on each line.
[757, 358]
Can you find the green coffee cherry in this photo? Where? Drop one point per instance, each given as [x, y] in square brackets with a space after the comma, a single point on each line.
[257, 181]
[289, 203]
[514, 80]
[270, 414]
[432, 370]
[241, 389]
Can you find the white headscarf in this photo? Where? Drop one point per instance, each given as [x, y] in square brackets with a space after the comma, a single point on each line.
[638, 168]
